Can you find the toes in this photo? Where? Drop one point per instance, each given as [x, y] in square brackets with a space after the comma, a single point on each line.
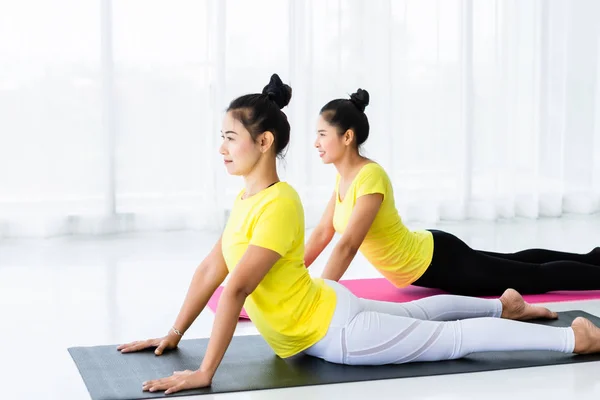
[530, 312]
[550, 314]
[545, 313]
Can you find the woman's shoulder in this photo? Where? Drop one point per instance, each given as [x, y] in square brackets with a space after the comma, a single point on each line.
[285, 194]
[372, 170]
[284, 190]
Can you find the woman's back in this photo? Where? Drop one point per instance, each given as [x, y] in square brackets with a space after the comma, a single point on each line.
[288, 306]
[400, 254]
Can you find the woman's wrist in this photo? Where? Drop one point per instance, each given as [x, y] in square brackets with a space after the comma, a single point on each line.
[174, 332]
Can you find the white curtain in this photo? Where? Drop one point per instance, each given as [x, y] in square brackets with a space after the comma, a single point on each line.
[110, 110]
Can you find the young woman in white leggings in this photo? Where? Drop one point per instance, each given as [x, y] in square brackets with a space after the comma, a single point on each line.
[368, 332]
[262, 251]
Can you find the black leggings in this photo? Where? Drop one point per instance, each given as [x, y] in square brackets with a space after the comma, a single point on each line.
[459, 269]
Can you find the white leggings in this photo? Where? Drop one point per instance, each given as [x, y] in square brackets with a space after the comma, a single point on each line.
[368, 332]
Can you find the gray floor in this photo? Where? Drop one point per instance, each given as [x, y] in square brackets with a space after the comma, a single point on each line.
[89, 291]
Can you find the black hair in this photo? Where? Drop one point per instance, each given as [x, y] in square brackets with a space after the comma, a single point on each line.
[347, 114]
[262, 112]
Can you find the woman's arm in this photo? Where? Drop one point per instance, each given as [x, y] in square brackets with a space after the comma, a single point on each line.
[360, 222]
[251, 269]
[272, 237]
[207, 278]
[246, 276]
[322, 235]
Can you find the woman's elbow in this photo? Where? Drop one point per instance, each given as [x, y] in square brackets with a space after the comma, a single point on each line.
[237, 292]
[324, 233]
[347, 249]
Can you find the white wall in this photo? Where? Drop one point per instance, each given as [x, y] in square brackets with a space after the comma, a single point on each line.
[110, 110]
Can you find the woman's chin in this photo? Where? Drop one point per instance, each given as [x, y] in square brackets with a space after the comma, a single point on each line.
[231, 170]
[234, 172]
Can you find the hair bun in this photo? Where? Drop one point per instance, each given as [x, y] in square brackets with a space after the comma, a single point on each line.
[360, 99]
[278, 91]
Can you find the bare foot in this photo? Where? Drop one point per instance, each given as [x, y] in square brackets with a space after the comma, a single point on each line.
[514, 307]
[587, 336]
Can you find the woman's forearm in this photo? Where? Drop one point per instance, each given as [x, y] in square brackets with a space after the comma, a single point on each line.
[205, 281]
[317, 242]
[227, 316]
[339, 261]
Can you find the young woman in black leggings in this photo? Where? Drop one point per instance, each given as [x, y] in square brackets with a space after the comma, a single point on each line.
[457, 268]
[362, 209]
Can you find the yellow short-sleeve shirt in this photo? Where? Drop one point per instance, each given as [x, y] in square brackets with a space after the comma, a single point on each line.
[401, 255]
[290, 309]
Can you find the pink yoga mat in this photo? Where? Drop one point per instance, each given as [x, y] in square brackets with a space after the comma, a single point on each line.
[381, 289]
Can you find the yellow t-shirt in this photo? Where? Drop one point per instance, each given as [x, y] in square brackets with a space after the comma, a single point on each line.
[399, 254]
[290, 309]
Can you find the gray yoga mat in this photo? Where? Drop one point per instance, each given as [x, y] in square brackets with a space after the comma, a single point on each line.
[250, 364]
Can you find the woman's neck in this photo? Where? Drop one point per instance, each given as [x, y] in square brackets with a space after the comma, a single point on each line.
[261, 177]
[347, 166]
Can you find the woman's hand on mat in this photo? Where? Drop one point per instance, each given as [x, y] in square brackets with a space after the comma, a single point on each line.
[180, 380]
[168, 342]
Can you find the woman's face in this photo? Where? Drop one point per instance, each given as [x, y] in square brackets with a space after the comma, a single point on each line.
[329, 142]
[239, 150]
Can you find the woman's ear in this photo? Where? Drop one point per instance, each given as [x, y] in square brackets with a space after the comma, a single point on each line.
[348, 137]
[266, 141]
